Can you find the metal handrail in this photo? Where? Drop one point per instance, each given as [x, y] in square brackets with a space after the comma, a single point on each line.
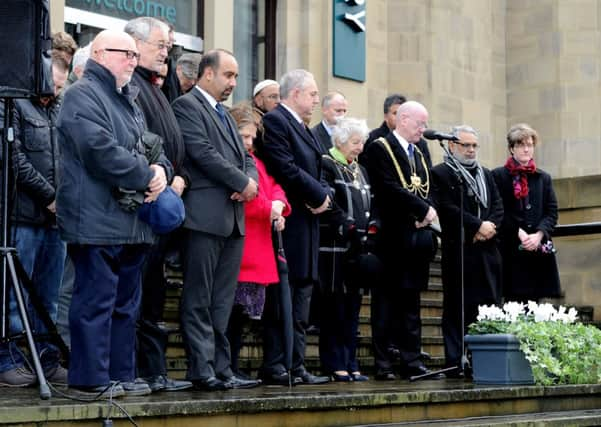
[578, 229]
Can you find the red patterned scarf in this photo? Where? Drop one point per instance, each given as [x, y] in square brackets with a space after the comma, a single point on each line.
[520, 180]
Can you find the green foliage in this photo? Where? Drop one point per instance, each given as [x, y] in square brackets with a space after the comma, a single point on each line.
[558, 352]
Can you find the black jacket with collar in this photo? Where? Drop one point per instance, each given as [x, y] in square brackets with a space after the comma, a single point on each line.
[35, 158]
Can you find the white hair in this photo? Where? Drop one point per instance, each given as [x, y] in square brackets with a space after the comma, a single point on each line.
[346, 127]
[81, 56]
[295, 79]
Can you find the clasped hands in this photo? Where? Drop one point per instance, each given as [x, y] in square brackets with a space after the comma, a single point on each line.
[487, 231]
[428, 219]
[157, 184]
[530, 242]
[327, 204]
[249, 193]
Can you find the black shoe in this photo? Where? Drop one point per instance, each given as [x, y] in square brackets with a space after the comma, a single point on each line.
[164, 383]
[341, 378]
[385, 376]
[414, 371]
[237, 382]
[210, 384]
[282, 378]
[455, 374]
[307, 378]
[357, 376]
[312, 330]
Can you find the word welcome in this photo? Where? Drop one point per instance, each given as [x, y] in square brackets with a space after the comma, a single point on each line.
[138, 7]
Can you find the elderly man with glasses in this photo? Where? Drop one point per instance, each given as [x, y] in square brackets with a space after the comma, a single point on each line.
[99, 127]
[400, 177]
[461, 181]
[152, 41]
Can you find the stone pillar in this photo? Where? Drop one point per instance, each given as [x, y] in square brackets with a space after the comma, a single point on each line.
[219, 24]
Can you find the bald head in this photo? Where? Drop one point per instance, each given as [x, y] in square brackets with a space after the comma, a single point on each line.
[412, 120]
[117, 52]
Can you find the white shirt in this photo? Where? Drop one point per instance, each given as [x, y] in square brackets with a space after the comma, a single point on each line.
[208, 97]
[296, 116]
[327, 127]
[402, 141]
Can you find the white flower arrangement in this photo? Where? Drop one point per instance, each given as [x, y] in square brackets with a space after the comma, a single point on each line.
[560, 349]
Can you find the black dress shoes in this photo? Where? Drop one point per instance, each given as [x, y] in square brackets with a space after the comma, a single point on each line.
[307, 378]
[210, 384]
[414, 371]
[237, 382]
[282, 378]
[356, 376]
[385, 376]
[164, 383]
[341, 377]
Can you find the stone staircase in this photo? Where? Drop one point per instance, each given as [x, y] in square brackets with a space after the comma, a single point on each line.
[251, 353]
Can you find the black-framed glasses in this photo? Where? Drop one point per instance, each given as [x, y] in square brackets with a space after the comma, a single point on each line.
[467, 145]
[130, 54]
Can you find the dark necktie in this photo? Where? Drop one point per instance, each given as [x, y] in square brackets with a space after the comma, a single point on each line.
[410, 150]
[221, 113]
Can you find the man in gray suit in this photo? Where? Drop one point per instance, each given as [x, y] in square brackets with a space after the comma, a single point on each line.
[222, 177]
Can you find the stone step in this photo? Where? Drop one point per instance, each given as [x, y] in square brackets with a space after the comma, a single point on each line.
[549, 419]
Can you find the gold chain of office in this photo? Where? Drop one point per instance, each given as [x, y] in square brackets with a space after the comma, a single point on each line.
[416, 187]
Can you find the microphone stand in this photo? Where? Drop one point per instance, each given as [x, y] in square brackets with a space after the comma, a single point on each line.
[464, 361]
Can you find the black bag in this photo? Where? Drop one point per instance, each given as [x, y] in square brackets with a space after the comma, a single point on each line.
[150, 145]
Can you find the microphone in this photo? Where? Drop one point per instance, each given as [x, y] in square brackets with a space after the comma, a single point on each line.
[434, 134]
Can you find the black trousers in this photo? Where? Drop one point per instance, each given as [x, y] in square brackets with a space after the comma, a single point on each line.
[273, 340]
[395, 319]
[211, 268]
[151, 339]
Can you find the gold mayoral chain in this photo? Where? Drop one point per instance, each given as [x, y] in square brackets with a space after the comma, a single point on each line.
[416, 187]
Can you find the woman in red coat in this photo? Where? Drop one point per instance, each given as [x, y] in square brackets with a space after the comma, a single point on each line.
[258, 268]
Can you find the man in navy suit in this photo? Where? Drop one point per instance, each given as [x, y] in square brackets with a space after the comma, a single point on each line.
[222, 176]
[293, 157]
[333, 106]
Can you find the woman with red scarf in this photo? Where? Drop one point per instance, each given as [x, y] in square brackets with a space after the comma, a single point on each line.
[529, 264]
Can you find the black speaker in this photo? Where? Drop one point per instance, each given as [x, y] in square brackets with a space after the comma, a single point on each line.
[26, 54]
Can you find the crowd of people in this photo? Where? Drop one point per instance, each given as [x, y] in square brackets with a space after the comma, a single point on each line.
[102, 168]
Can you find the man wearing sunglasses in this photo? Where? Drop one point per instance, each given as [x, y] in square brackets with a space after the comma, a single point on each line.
[461, 175]
[99, 126]
[152, 40]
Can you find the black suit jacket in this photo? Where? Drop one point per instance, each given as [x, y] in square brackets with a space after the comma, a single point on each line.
[217, 164]
[293, 157]
[382, 132]
[405, 250]
[323, 137]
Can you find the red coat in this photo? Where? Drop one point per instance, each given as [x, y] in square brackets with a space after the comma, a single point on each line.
[258, 259]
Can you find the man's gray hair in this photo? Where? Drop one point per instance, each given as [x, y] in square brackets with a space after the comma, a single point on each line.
[189, 63]
[81, 56]
[463, 128]
[325, 102]
[346, 127]
[140, 28]
[295, 79]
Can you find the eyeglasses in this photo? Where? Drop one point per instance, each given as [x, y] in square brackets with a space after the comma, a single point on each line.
[467, 145]
[159, 45]
[130, 54]
[273, 96]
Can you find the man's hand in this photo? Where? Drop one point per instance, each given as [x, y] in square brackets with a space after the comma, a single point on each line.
[428, 219]
[52, 207]
[249, 193]
[157, 184]
[178, 185]
[486, 231]
[324, 207]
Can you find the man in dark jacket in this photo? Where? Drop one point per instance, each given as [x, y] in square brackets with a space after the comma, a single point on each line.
[99, 129]
[292, 156]
[400, 179]
[482, 214]
[36, 237]
[151, 37]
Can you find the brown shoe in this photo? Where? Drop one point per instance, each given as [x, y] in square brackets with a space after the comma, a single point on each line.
[17, 377]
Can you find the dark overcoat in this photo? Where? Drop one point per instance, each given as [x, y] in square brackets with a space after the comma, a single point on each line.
[293, 157]
[482, 274]
[528, 275]
[405, 251]
[344, 229]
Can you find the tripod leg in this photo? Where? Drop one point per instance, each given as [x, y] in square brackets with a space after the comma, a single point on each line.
[44, 389]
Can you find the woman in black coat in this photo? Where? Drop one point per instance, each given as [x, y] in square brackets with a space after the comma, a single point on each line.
[344, 236]
[529, 265]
